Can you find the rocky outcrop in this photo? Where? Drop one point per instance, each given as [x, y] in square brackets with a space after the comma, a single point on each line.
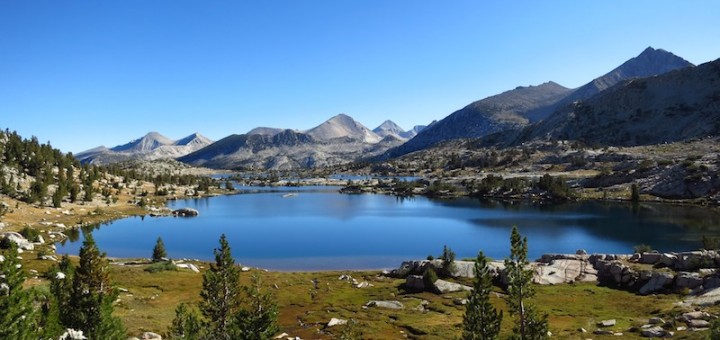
[336, 322]
[564, 271]
[18, 239]
[186, 212]
[444, 287]
[414, 283]
[385, 304]
[460, 268]
[659, 281]
[689, 260]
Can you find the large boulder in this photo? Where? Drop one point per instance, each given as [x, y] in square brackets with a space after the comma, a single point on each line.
[151, 336]
[18, 239]
[658, 281]
[564, 271]
[443, 287]
[411, 268]
[385, 304]
[650, 258]
[414, 283]
[688, 280]
[336, 322]
[709, 297]
[692, 260]
[668, 260]
[654, 332]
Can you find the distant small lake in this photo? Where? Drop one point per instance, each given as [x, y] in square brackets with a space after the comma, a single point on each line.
[320, 229]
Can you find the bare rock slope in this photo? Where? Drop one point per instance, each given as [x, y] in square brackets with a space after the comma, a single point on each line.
[152, 146]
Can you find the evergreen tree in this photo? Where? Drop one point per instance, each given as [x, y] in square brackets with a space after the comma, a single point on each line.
[259, 320]
[448, 261]
[159, 251]
[38, 191]
[530, 325]
[17, 317]
[60, 288]
[186, 325]
[89, 191]
[220, 294]
[481, 320]
[58, 196]
[91, 296]
[74, 191]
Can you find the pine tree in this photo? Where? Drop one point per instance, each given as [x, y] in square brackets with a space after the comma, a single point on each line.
[60, 289]
[220, 293]
[186, 325]
[159, 251]
[259, 320]
[17, 316]
[74, 191]
[481, 320]
[448, 262]
[530, 325]
[91, 296]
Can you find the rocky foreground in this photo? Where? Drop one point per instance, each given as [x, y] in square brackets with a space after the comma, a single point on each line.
[693, 274]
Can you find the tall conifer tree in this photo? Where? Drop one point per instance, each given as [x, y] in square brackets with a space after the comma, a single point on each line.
[220, 293]
[531, 325]
[17, 316]
[91, 296]
[481, 320]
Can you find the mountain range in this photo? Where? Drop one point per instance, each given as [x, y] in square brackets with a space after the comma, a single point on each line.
[518, 108]
[674, 106]
[652, 98]
[340, 139]
[149, 147]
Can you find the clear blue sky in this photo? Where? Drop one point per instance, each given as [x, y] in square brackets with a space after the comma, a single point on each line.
[86, 73]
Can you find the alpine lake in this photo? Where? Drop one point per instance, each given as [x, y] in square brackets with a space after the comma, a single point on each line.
[318, 228]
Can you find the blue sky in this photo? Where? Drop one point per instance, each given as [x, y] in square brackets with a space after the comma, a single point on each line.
[86, 73]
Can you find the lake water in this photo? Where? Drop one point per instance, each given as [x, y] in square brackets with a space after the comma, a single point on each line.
[319, 229]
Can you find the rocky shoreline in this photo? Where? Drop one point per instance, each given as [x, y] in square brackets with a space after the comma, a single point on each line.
[694, 273]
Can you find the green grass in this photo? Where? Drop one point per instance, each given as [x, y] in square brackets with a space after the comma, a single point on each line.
[151, 299]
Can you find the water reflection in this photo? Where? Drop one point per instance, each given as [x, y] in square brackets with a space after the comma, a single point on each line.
[378, 231]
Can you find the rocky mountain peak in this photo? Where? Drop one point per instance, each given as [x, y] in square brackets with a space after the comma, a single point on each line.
[194, 139]
[389, 128]
[649, 63]
[151, 146]
[149, 142]
[341, 126]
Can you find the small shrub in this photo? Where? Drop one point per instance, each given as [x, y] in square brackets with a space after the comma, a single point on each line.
[430, 257]
[715, 330]
[642, 248]
[161, 267]
[31, 234]
[429, 278]
[710, 243]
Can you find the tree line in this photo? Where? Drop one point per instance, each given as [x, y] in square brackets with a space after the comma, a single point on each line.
[22, 158]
